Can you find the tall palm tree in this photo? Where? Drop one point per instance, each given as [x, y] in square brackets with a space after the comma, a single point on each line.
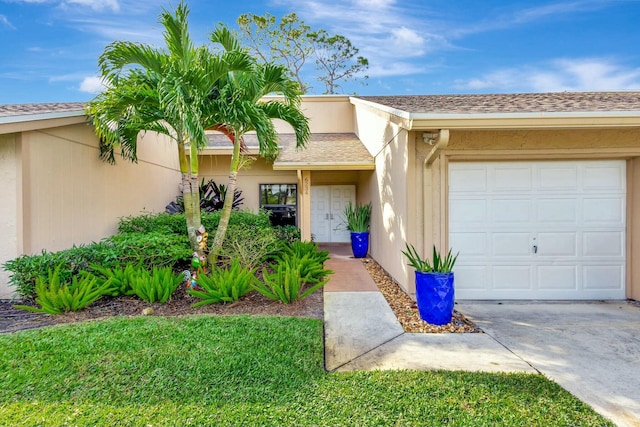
[238, 107]
[169, 91]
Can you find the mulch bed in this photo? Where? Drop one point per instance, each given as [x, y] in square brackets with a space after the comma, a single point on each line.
[13, 319]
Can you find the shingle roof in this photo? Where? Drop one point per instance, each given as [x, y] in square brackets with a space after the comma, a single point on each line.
[323, 149]
[560, 102]
[8, 110]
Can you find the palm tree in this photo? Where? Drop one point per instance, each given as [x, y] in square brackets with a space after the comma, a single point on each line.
[239, 108]
[169, 91]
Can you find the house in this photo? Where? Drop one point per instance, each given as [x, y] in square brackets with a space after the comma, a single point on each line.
[538, 192]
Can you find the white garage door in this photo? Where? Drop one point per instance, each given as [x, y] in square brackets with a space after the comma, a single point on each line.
[538, 230]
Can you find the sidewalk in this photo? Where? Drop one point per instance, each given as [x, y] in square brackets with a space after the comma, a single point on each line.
[362, 332]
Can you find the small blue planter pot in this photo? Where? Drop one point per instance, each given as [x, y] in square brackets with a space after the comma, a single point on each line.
[435, 297]
[360, 244]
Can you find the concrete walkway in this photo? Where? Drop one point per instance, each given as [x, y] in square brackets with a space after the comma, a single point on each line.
[590, 349]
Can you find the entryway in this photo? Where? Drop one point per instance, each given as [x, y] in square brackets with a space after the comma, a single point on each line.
[538, 229]
[327, 207]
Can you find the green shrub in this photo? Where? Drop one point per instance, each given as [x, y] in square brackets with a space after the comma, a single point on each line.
[57, 296]
[300, 249]
[175, 223]
[152, 249]
[25, 269]
[251, 246]
[117, 280]
[224, 284]
[293, 279]
[158, 285]
[287, 233]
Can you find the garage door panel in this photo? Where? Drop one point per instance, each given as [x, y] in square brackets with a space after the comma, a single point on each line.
[510, 178]
[573, 212]
[512, 277]
[606, 176]
[558, 177]
[603, 210]
[511, 210]
[469, 244]
[603, 277]
[557, 244]
[511, 244]
[557, 277]
[603, 244]
[558, 210]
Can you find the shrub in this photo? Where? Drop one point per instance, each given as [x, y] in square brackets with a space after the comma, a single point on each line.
[25, 269]
[56, 296]
[212, 198]
[251, 246]
[156, 286]
[151, 249]
[224, 285]
[287, 233]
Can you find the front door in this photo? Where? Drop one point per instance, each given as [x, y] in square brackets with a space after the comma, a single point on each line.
[327, 207]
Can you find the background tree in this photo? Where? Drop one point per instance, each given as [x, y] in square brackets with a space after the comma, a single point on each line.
[240, 107]
[291, 42]
[284, 43]
[336, 60]
[168, 91]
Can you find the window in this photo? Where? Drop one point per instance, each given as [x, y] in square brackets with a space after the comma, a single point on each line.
[282, 201]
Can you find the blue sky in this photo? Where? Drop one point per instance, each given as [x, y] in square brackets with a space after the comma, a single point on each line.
[49, 48]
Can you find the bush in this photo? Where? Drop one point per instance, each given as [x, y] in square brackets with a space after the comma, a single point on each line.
[151, 249]
[224, 285]
[117, 280]
[156, 286]
[212, 197]
[26, 269]
[251, 246]
[287, 233]
[56, 296]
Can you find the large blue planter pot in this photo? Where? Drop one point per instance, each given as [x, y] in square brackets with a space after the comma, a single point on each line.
[360, 244]
[435, 297]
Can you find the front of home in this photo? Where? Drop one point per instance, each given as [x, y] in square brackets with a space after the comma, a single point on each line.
[538, 192]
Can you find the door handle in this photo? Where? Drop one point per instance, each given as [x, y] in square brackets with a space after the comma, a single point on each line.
[535, 249]
[326, 216]
[331, 216]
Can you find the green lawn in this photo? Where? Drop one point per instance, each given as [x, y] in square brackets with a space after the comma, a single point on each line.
[245, 371]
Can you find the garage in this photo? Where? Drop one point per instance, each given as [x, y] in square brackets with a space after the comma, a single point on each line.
[538, 229]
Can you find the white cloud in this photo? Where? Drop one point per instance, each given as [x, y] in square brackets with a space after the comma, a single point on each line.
[407, 42]
[585, 74]
[4, 21]
[92, 85]
[97, 5]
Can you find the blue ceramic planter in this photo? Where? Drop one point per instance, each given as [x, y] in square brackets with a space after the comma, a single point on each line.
[360, 244]
[435, 297]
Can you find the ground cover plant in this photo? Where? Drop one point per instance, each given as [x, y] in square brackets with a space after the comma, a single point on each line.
[241, 370]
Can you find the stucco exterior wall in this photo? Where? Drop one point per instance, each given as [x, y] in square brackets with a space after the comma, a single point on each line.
[389, 188]
[327, 114]
[8, 208]
[72, 197]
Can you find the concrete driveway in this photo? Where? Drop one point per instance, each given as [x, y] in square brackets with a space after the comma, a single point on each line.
[592, 349]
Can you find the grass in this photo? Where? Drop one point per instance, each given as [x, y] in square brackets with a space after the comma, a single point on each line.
[244, 370]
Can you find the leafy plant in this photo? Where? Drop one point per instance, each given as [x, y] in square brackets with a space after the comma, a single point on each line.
[287, 233]
[117, 279]
[224, 284]
[212, 198]
[358, 217]
[56, 296]
[251, 246]
[440, 264]
[301, 249]
[151, 249]
[156, 286]
[291, 274]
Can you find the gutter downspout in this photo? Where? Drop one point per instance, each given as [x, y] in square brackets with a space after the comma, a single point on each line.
[439, 145]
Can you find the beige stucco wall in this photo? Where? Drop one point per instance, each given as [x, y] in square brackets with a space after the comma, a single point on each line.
[8, 208]
[65, 195]
[327, 114]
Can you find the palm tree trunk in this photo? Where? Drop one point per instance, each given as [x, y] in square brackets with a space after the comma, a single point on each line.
[225, 215]
[191, 196]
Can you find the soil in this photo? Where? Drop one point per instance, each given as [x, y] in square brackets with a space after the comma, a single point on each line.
[13, 319]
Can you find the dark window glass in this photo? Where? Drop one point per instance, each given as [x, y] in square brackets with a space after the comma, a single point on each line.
[282, 201]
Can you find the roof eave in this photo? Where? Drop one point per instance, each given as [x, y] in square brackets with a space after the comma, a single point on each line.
[323, 166]
[27, 122]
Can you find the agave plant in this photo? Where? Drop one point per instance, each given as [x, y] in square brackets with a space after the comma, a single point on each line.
[440, 264]
[358, 217]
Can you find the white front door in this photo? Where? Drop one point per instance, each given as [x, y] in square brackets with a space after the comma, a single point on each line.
[546, 230]
[327, 207]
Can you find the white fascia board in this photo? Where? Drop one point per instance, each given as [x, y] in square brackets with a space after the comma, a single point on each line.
[40, 116]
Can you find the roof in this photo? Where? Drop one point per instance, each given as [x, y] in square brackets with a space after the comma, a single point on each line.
[8, 110]
[24, 117]
[559, 102]
[324, 151]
